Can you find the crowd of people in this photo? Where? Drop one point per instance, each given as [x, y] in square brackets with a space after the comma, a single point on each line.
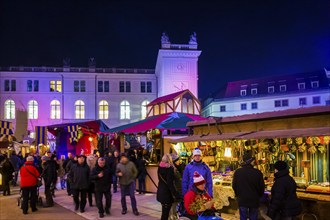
[87, 177]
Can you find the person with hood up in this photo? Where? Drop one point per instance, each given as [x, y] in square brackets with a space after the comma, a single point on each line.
[48, 174]
[102, 177]
[29, 175]
[202, 168]
[127, 172]
[284, 204]
[166, 192]
[79, 181]
[249, 186]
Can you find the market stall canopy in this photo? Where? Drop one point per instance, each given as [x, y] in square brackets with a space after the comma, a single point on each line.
[304, 132]
[96, 126]
[169, 121]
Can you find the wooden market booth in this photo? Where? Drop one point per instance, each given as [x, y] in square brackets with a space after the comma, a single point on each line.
[166, 120]
[299, 136]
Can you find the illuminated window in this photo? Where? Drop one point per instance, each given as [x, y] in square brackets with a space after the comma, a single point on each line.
[103, 110]
[9, 109]
[124, 110]
[55, 86]
[79, 109]
[144, 109]
[32, 109]
[55, 109]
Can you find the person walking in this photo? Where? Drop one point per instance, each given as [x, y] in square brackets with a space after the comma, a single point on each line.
[48, 174]
[141, 164]
[6, 170]
[79, 179]
[91, 162]
[102, 177]
[68, 162]
[202, 168]
[248, 185]
[115, 158]
[127, 172]
[166, 192]
[284, 203]
[17, 163]
[61, 171]
[28, 184]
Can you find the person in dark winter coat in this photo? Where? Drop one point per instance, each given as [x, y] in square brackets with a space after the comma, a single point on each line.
[79, 179]
[17, 163]
[166, 192]
[249, 186]
[49, 175]
[68, 163]
[6, 169]
[29, 175]
[141, 164]
[127, 172]
[284, 204]
[102, 177]
[202, 168]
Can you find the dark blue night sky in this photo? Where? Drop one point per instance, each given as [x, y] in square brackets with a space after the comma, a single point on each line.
[238, 39]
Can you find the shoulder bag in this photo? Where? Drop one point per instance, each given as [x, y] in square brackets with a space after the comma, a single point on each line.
[39, 181]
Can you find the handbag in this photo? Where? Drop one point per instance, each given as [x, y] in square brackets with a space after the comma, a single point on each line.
[39, 180]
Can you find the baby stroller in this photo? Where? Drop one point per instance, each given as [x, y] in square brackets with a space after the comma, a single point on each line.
[20, 199]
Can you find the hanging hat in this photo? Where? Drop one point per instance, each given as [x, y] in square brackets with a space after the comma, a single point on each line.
[280, 165]
[198, 179]
[197, 151]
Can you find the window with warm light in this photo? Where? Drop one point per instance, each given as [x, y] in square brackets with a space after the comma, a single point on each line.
[227, 152]
[144, 109]
[55, 109]
[32, 109]
[103, 110]
[124, 110]
[79, 109]
[9, 109]
[55, 86]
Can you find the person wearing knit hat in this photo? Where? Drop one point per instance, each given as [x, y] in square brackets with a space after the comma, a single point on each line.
[198, 179]
[197, 201]
[202, 168]
[284, 203]
[248, 185]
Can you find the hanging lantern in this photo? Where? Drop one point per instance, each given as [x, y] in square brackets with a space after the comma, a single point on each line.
[228, 152]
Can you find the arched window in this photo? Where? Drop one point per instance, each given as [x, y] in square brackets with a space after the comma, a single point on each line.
[144, 109]
[32, 109]
[79, 109]
[124, 110]
[55, 109]
[103, 110]
[9, 109]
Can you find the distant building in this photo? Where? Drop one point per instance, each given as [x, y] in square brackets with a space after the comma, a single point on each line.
[53, 95]
[271, 93]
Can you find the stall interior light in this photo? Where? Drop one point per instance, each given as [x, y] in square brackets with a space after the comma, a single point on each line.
[90, 139]
[228, 152]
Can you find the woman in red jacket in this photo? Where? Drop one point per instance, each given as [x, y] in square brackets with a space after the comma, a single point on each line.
[29, 175]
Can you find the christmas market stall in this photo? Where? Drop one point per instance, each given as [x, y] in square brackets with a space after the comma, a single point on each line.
[300, 137]
[166, 120]
[78, 137]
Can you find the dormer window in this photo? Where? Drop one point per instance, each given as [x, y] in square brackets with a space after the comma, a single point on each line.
[243, 92]
[254, 91]
[271, 89]
[301, 86]
[315, 84]
[282, 88]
